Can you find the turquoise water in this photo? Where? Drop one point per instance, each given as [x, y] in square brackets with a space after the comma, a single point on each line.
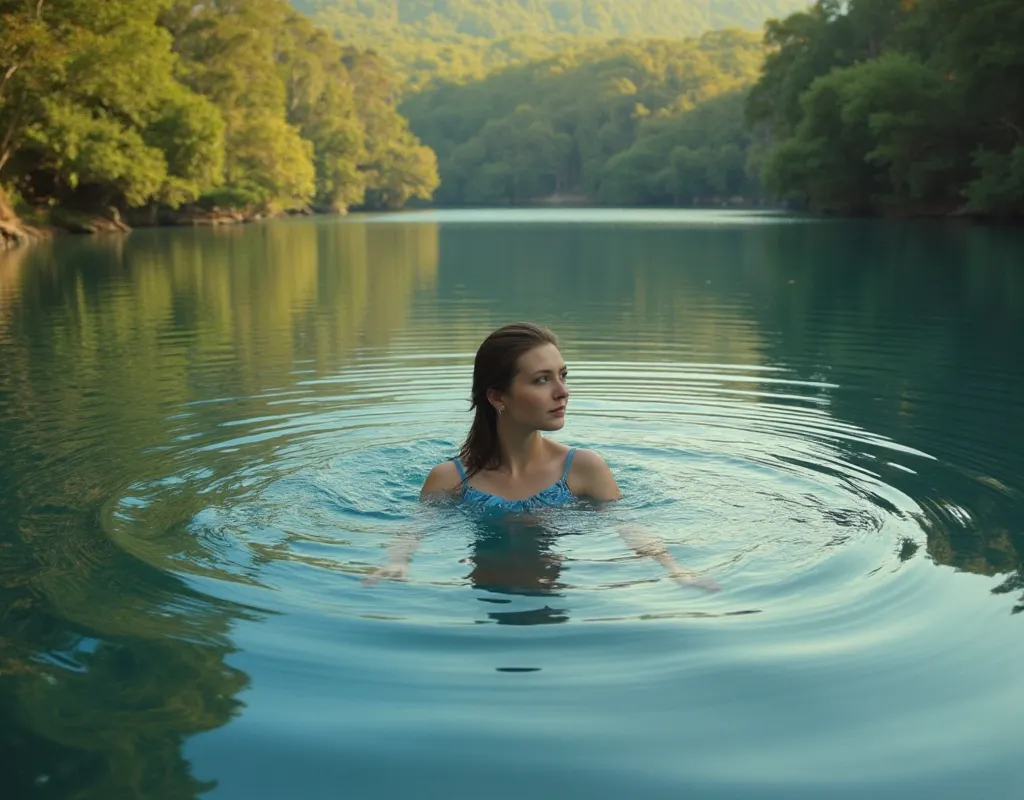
[209, 438]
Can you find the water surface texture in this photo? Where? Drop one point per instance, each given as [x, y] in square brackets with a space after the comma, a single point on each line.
[209, 437]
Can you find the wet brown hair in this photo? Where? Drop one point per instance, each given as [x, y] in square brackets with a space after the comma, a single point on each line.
[496, 364]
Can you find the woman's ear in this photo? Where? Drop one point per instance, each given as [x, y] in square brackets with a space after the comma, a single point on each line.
[497, 400]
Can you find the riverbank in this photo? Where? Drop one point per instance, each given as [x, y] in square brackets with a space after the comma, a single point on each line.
[15, 231]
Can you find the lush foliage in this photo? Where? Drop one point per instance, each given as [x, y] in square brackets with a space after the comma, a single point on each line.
[622, 121]
[896, 105]
[865, 106]
[495, 19]
[236, 102]
[461, 40]
[692, 157]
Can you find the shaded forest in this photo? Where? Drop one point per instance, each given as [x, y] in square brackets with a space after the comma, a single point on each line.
[623, 122]
[237, 103]
[896, 106]
[462, 40]
[866, 107]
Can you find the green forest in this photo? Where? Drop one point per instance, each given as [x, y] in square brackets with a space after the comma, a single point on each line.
[162, 103]
[439, 20]
[877, 107]
[658, 121]
[458, 40]
[895, 106]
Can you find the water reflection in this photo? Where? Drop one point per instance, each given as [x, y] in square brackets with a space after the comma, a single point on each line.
[917, 327]
[207, 364]
[922, 325]
[108, 665]
[898, 317]
[103, 709]
[109, 720]
[517, 557]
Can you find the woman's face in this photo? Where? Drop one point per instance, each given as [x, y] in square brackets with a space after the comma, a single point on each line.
[538, 395]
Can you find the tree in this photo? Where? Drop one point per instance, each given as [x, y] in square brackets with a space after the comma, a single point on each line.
[999, 188]
[87, 103]
[561, 124]
[901, 106]
[433, 42]
[396, 166]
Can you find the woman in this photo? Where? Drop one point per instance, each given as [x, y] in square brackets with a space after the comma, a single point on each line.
[506, 464]
[519, 390]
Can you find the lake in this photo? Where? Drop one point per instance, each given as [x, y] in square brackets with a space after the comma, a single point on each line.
[208, 439]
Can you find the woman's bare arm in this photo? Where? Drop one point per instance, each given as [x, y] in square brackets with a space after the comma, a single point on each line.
[442, 481]
[591, 477]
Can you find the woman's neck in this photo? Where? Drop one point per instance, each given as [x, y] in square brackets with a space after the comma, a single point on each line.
[519, 449]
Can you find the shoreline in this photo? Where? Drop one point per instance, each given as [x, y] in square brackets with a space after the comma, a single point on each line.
[15, 233]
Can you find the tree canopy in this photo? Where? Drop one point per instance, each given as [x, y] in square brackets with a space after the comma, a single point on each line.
[462, 40]
[167, 102]
[847, 106]
[876, 106]
[500, 19]
[615, 121]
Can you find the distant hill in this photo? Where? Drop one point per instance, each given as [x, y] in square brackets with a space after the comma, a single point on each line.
[451, 20]
[650, 122]
[463, 40]
[619, 101]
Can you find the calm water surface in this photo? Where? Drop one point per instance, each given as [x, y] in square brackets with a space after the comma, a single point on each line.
[208, 438]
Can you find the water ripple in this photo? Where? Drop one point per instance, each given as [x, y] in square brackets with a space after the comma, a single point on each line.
[210, 440]
[741, 469]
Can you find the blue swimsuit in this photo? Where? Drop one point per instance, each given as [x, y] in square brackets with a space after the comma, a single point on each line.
[555, 495]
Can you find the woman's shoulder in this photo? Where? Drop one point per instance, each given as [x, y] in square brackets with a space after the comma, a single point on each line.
[590, 476]
[578, 459]
[585, 460]
[444, 478]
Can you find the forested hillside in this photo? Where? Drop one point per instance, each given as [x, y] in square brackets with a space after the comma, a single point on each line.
[160, 103]
[504, 19]
[896, 106]
[466, 39]
[858, 107]
[623, 122]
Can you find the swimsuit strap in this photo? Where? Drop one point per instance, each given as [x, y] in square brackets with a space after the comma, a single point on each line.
[462, 471]
[565, 470]
[568, 463]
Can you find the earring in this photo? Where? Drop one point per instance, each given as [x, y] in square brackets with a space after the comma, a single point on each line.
[501, 409]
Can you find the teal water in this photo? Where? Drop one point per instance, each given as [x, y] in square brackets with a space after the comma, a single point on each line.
[209, 437]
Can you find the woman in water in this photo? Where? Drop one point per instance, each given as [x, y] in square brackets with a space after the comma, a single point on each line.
[506, 464]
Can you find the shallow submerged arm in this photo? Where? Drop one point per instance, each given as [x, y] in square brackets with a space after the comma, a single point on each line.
[405, 543]
[646, 543]
[595, 482]
[401, 549]
[437, 490]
